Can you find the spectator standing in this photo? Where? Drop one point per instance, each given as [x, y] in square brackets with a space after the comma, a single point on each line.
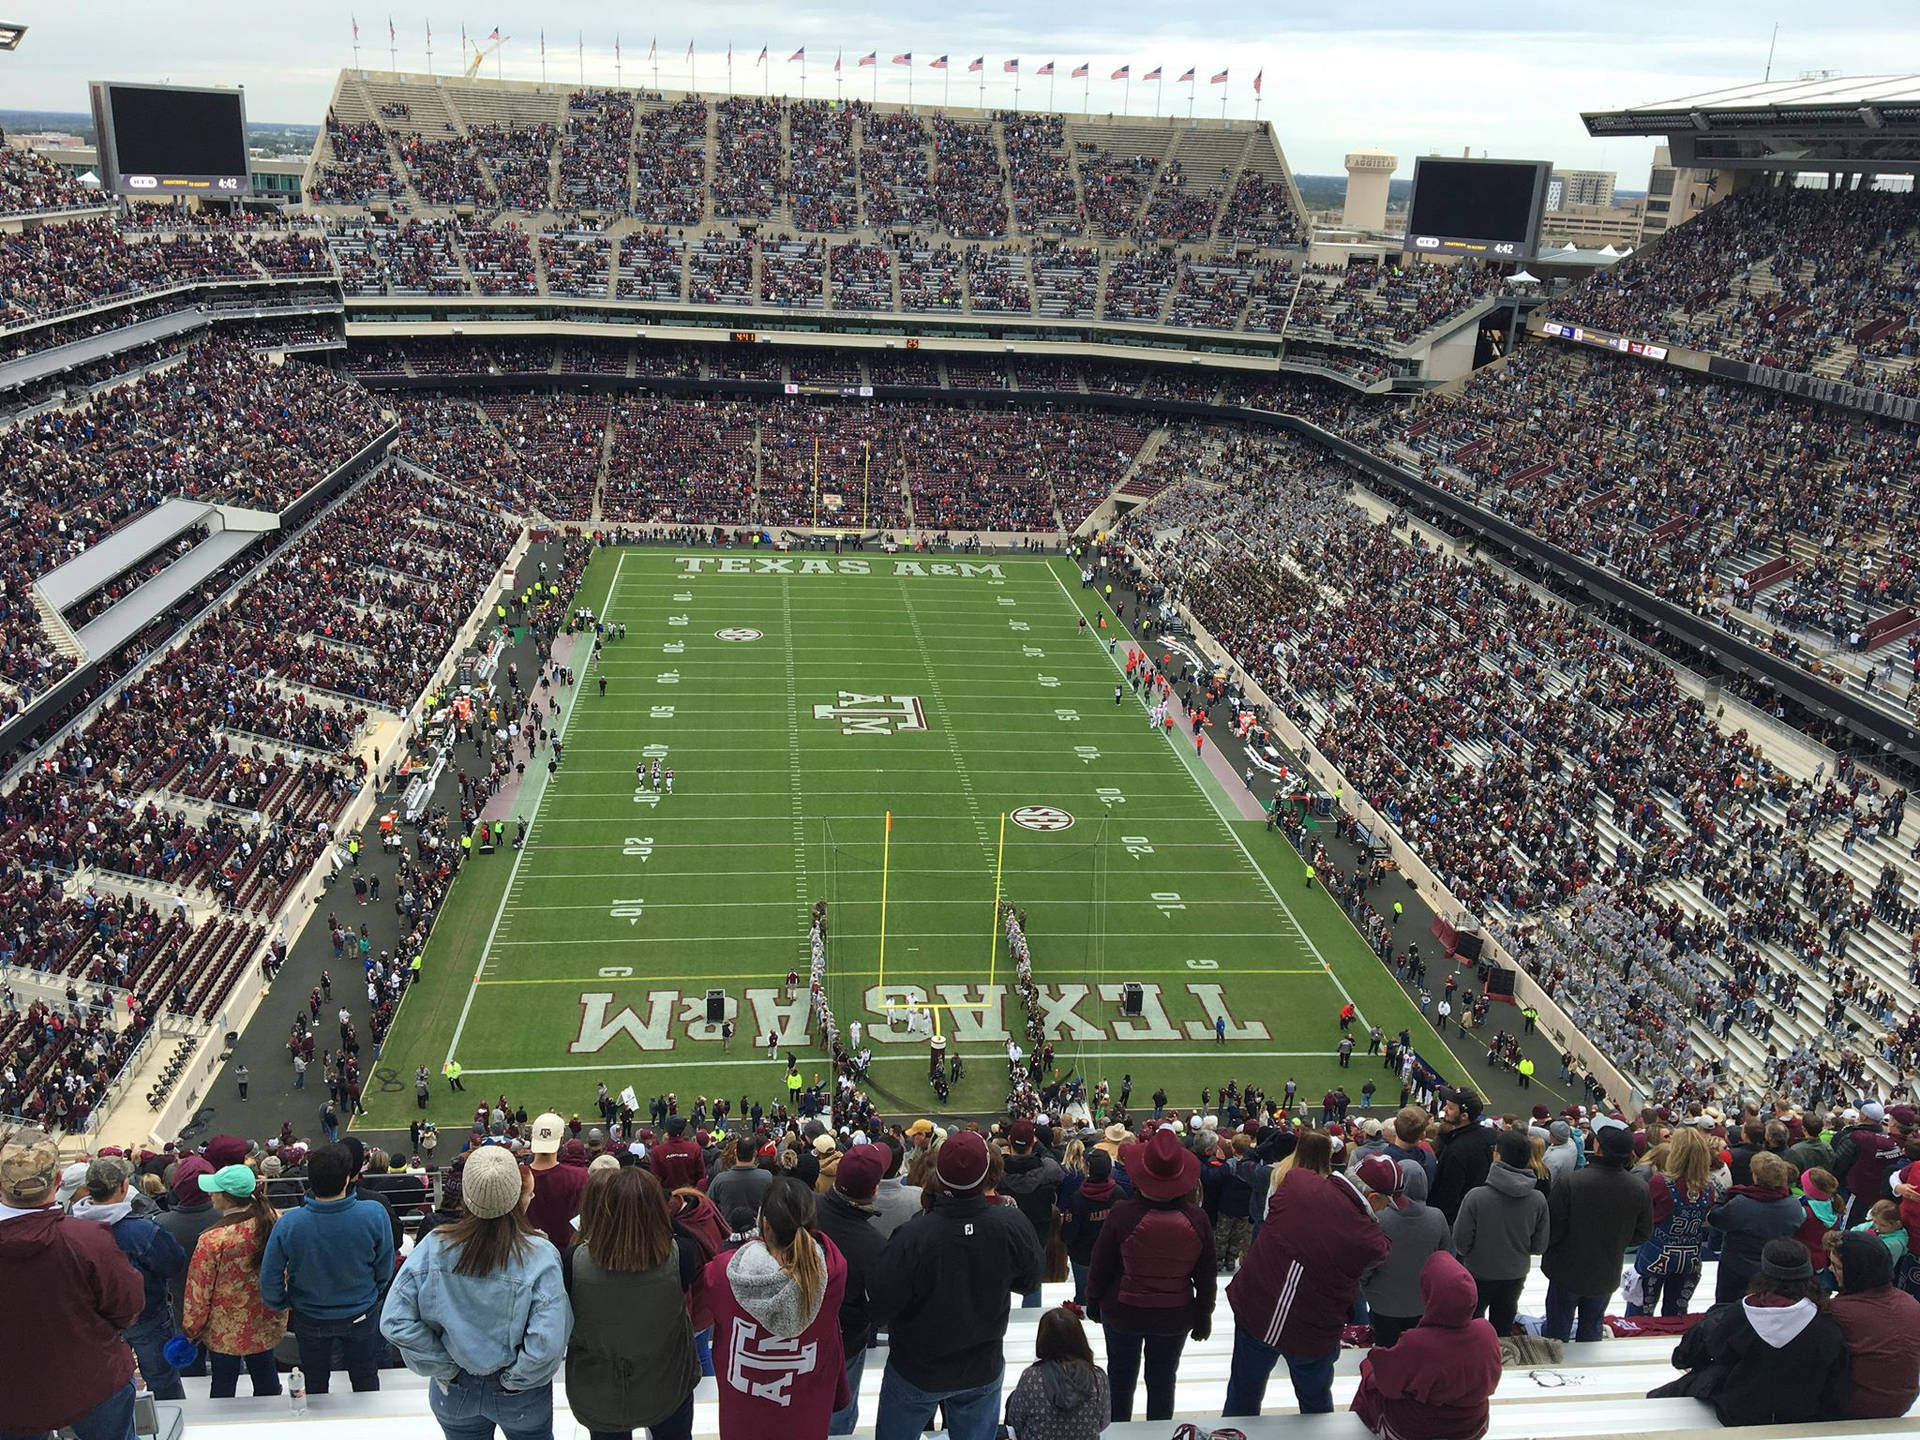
[743, 1183]
[776, 1297]
[846, 1216]
[1063, 1395]
[631, 1362]
[1092, 1202]
[63, 1363]
[153, 1253]
[1881, 1325]
[942, 1294]
[1463, 1150]
[480, 1309]
[1032, 1180]
[1292, 1294]
[1774, 1357]
[895, 1202]
[1748, 1218]
[1596, 1215]
[1438, 1379]
[557, 1186]
[1502, 1225]
[1154, 1275]
[223, 1308]
[329, 1261]
[189, 1217]
[1395, 1289]
[1682, 1196]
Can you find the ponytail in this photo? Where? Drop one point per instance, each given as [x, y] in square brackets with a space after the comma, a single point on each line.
[786, 1229]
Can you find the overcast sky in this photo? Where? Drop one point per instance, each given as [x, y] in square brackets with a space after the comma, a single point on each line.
[1340, 74]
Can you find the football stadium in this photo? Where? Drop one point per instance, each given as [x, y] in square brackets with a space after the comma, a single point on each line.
[743, 748]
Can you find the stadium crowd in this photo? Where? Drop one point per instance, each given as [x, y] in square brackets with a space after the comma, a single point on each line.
[666, 1246]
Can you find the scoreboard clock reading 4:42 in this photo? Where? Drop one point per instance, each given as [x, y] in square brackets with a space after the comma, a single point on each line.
[171, 140]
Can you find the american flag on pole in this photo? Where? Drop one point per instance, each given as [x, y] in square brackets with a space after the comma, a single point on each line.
[836, 62]
[1256, 80]
[543, 44]
[1186, 79]
[977, 64]
[689, 50]
[1153, 74]
[496, 33]
[356, 28]
[390, 34]
[1046, 69]
[1123, 73]
[1080, 71]
[763, 56]
[906, 59]
[799, 54]
[653, 48]
[1219, 79]
[872, 57]
[939, 64]
[1011, 67]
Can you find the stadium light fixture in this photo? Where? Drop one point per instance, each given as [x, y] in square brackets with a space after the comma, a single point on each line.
[11, 35]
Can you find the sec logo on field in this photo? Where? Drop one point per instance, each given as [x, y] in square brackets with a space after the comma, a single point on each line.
[1041, 817]
[736, 632]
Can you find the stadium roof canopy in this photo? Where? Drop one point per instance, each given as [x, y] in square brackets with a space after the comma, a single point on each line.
[1860, 123]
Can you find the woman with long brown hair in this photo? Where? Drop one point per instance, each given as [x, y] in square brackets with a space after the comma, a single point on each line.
[1669, 1263]
[480, 1308]
[223, 1308]
[777, 1296]
[631, 1364]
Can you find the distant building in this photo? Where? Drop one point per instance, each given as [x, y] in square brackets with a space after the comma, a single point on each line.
[1568, 189]
[1592, 226]
[1369, 177]
[1675, 194]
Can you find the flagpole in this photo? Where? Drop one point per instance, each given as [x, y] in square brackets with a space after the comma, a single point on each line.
[946, 84]
[876, 79]
[693, 70]
[429, 49]
[393, 48]
[354, 20]
[729, 69]
[1016, 91]
[983, 82]
[653, 52]
[543, 57]
[1086, 105]
[580, 39]
[1050, 85]
[1225, 86]
[1193, 87]
[1126, 94]
[619, 80]
[839, 78]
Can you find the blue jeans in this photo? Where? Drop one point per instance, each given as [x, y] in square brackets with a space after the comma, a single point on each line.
[149, 1339]
[844, 1422]
[471, 1405]
[703, 1347]
[226, 1369]
[111, 1419]
[1561, 1305]
[1123, 1370]
[906, 1411]
[1079, 1270]
[1031, 1300]
[360, 1344]
[1253, 1362]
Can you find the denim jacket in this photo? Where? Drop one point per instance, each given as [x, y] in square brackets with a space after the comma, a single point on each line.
[512, 1324]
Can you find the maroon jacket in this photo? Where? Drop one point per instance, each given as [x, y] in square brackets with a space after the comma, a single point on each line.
[1153, 1269]
[769, 1385]
[1296, 1286]
[60, 1348]
[1435, 1381]
[678, 1163]
[1882, 1327]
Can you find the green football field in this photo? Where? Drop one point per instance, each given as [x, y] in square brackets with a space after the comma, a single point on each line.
[798, 700]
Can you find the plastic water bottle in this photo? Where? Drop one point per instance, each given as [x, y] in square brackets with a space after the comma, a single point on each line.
[297, 1390]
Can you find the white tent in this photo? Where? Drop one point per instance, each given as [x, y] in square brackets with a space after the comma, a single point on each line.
[1610, 252]
[1522, 277]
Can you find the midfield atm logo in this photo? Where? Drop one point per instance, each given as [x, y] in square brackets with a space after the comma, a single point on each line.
[874, 714]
